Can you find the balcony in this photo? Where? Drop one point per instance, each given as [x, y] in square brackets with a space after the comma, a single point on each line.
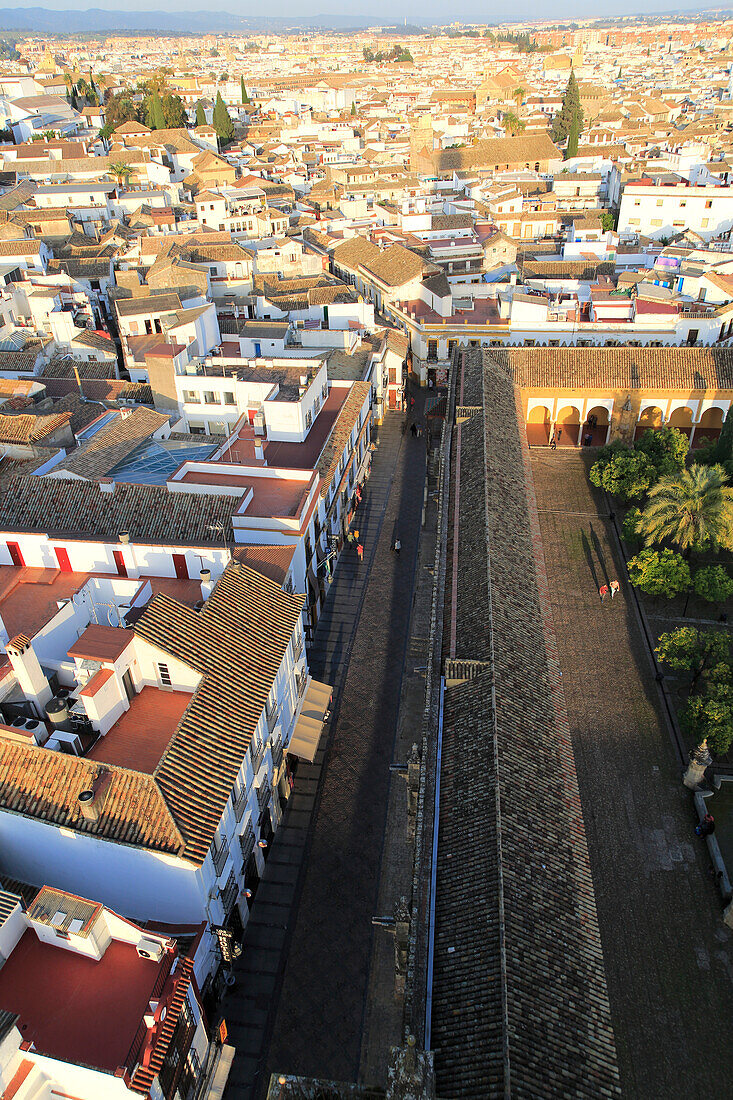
[276, 747]
[219, 855]
[264, 793]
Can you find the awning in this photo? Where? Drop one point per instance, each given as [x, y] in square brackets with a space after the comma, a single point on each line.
[308, 728]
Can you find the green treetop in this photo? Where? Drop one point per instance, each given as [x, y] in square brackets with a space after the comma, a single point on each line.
[200, 114]
[569, 112]
[245, 97]
[222, 122]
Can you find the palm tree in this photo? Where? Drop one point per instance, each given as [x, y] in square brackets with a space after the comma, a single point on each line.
[518, 96]
[120, 171]
[693, 509]
[513, 124]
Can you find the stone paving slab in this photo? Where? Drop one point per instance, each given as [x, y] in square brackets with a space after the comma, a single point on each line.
[668, 956]
[346, 615]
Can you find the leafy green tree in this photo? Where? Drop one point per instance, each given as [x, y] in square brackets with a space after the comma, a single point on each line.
[693, 509]
[666, 447]
[118, 109]
[174, 112]
[693, 651]
[200, 114]
[659, 573]
[722, 450]
[120, 171]
[222, 122]
[570, 110]
[608, 221]
[245, 97]
[629, 527]
[353, 108]
[710, 720]
[628, 474]
[713, 583]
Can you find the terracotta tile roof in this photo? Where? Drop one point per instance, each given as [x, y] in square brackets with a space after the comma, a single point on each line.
[343, 425]
[101, 643]
[81, 510]
[237, 641]
[520, 1000]
[46, 785]
[144, 1075]
[618, 368]
[114, 443]
[28, 428]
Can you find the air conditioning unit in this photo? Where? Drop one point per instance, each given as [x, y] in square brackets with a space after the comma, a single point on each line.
[69, 742]
[150, 949]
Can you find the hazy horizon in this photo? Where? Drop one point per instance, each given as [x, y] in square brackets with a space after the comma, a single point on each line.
[428, 11]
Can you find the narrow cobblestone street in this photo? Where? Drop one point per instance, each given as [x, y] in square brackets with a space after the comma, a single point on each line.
[667, 953]
[302, 978]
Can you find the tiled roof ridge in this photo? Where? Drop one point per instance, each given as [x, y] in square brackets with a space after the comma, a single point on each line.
[578, 1043]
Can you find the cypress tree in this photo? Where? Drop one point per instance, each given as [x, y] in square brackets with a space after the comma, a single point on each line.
[571, 150]
[200, 114]
[154, 112]
[570, 109]
[222, 122]
[245, 97]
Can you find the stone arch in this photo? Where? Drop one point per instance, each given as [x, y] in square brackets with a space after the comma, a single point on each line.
[596, 425]
[539, 419]
[708, 427]
[650, 417]
[567, 426]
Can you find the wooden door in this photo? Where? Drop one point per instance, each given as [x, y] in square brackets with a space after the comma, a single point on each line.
[120, 563]
[15, 555]
[179, 564]
[62, 557]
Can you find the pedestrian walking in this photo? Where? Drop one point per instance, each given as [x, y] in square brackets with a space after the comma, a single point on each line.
[360, 552]
[397, 546]
[615, 588]
[413, 428]
[603, 592]
[588, 439]
[356, 534]
[559, 435]
[706, 826]
[553, 444]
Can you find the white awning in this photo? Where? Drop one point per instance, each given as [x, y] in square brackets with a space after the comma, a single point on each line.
[308, 728]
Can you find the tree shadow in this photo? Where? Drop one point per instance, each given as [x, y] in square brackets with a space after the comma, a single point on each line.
[589, 558]
[600, 555]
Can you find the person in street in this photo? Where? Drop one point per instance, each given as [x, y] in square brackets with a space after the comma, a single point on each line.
[413, 428]
[615, 588]
[397, 546]
[706, 826]
[603, 592]
[588, 439]
[558, 436]
[360, 552]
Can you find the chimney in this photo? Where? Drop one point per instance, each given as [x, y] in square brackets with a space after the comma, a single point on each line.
[27, 668]
[206, 585]
[91, 799]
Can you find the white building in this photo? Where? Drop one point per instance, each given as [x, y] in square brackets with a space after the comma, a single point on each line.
[665, 209]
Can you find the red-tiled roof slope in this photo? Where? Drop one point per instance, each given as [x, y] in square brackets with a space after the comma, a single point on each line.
[46, 785]
[618, 368]
[238, 641]
[144, 1075]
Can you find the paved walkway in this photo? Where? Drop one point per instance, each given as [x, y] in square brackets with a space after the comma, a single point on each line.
[300, 999]
[668, 956]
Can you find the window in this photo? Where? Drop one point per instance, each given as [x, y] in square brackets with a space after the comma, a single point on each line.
[239, 797]
[709, 204]
[308, 419]
[656, 222]
[659, 202]
[192, 397]
[219, 853]
[229, 398]
[683, 202]
[634, 221]
[164, 673]
[247, 842]
[210, 398]
[704, 223]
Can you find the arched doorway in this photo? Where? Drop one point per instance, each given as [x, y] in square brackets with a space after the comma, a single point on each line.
[538, 426]
[596, 426]
[567, 426]
[708, 430]
[681, 419]
[650, 418]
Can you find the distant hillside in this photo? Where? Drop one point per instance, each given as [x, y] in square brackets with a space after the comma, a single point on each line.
[96, 20]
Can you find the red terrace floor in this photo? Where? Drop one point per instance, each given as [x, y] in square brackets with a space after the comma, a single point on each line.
[139, 738]
[28, 597]
[303, 456]
[271, 496]
[76, 1008]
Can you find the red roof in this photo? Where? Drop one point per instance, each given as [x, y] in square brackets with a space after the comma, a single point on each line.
[77, 1008]
[101, 643]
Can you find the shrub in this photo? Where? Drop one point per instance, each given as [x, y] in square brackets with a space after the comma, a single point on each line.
[708, 719]
[629, 528]
[659, 573]
[713, 583]
[628, 474]
[666, 449]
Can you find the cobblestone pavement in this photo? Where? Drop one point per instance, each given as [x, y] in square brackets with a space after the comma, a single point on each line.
[300, 999]
[668, 956]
